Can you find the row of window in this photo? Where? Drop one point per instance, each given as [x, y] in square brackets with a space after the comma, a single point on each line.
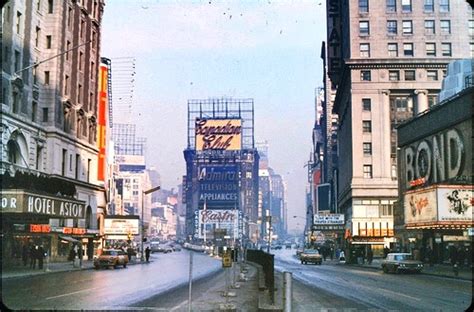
[409, 75]
[77, 166]
[407, 27]
[406, 6]
[408, 49]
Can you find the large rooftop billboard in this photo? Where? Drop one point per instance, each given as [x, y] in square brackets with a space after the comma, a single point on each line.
[218, 134]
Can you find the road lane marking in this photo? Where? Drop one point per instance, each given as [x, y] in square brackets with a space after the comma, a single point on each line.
[179, 305]
[68, 294]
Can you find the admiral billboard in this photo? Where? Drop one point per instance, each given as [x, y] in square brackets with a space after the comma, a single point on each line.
[218, 186]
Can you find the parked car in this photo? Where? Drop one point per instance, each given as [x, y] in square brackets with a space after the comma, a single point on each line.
[111, 258]
[311, 256]
[276, 247]
[288, 245]
[163, 248]
[401, 262]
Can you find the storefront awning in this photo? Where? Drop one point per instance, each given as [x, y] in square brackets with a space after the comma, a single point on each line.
[68, 239]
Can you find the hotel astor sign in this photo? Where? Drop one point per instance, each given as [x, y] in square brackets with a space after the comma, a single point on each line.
[20, 201]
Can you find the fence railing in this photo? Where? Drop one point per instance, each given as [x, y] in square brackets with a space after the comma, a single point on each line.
[267, 262]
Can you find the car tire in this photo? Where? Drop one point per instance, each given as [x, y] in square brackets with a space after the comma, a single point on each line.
[124, 265]
[384, 268]
[115, 266]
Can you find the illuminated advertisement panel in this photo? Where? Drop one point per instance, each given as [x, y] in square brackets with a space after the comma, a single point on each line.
[218, 134]
[218, 186]
[101, 122]
[421, 206]
[121, 226]
[455, 203]
[207, 221]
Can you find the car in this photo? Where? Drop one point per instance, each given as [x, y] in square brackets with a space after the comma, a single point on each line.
[111, 258]
[299, 250]
[276, 247]
[288, 245]
[163, 248]
[311, 256]
[401, 262]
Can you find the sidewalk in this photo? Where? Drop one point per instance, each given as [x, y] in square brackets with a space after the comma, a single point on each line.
[21, 271]
[445, 270]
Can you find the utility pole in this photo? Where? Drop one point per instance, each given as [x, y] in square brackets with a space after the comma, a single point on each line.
[143, 222]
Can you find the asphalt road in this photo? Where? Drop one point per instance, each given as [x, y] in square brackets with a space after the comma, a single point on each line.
[110, 289]
[339, 286]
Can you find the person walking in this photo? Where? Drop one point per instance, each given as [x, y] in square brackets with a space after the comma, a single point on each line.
[40, 255]
[370, 256]
[33, 252]
[24, 254]
[147, 253]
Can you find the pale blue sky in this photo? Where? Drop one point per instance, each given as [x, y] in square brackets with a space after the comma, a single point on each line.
[265, 50]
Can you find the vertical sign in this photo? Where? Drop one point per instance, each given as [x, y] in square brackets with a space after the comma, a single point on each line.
[102, 107]
[334, 53]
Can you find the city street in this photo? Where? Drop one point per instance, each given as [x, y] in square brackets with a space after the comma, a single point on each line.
[106, 288]
[334, 285]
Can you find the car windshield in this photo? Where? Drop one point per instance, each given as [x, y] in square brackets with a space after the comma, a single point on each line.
[109, 253]
[403, 257]
[311, 251]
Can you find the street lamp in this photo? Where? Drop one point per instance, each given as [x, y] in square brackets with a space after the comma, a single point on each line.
[143, 224]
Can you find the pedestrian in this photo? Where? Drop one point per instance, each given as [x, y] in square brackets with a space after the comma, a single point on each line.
[33, 256]
[370, 256]
[385, 251]
[147, 253]
[453, 254]
[72, 255]
[24, 254]
[40, 255]
[461, 255]
[429, 255]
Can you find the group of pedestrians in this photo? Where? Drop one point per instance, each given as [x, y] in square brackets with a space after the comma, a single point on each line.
[33, 253]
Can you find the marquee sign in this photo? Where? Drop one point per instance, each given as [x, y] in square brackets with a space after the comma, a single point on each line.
[218, 134]
[331, 218]
[121, 226]
[19, 201]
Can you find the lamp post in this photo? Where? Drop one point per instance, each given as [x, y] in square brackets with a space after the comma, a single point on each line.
[143, 222]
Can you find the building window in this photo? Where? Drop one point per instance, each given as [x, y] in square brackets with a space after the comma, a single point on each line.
[81, 60]
[34, 109]
[92, 70]
[94, 38]
[445, 26]
[408, 49]
[393, 75]
[82, 29]
[69, 17]
[48, 42]
[429, 27]
[391, 6]
[429, 6]
[45, 114]
[365, 75]
[366, 126]
[79, 93]
[37, 36]
[46, 77]
[368, 171]
[17, 60]
[446, 49]
[392, 49]
[367, 148]
[18, 22]
[365, 50]
[35, 76]
[410, 75]
[406, 5]
[430, 49]
[392, 27]
[66, 85]
[471, 28]
[407, 27]
[89, 168]
[401, 104]
[63, 163]
[364, 28]
[77, 167]
[70, 162]
[50, 6]
[363, 6]
[68, 47]
[444, 5]
[39, 153]
[432, 75]
[432, 99]
[471, 46]
[366, 104]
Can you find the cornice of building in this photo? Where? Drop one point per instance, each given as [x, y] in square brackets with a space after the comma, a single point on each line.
[397, 63]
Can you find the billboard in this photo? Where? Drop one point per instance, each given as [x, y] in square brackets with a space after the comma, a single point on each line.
[121, 225]
[101, 122]
[455, 204]
[324, 197]
[420, 206]
[218, 134]
[331, 218]
[207, 221]
[218, 186]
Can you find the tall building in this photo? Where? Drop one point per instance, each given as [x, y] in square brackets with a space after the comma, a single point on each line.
[221, 182]
[50, 151]
[387, 59]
